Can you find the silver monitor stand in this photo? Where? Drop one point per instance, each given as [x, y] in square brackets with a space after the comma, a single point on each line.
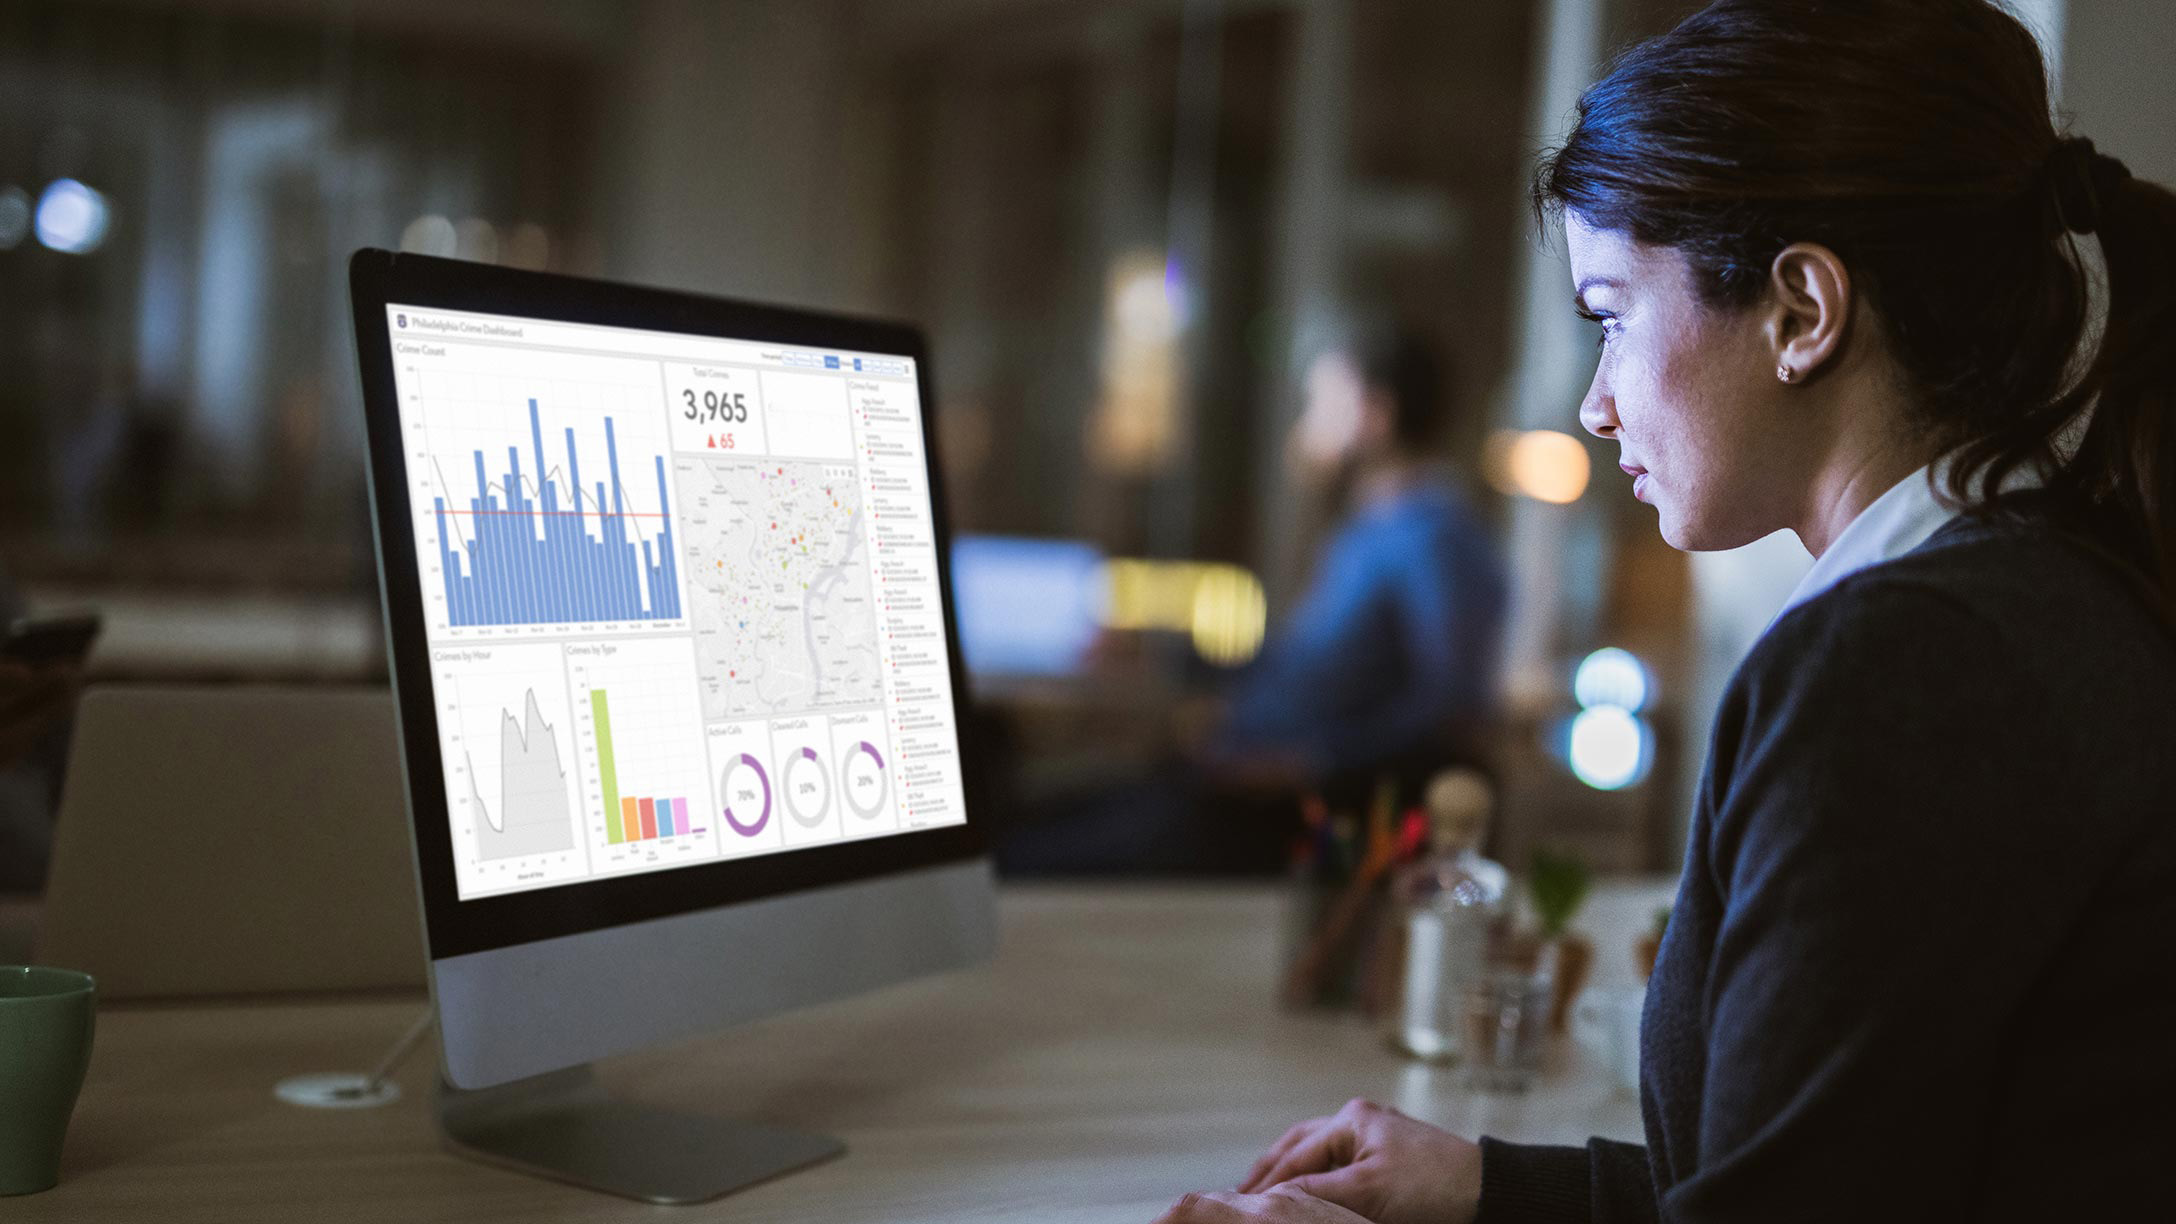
[511, 1017]
[563, 1126]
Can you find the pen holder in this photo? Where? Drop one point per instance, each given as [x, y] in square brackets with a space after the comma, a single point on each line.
[1334, 927]
[1337, 954]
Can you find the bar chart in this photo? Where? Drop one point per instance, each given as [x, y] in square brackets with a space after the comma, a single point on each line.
[643, 818]
[541, 548]
[641, 738]
[539, 491]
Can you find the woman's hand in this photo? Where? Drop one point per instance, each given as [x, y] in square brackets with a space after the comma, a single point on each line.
[1377, 1162]
[1279, 1205]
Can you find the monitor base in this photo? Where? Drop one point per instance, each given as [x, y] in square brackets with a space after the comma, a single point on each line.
[562, 1126]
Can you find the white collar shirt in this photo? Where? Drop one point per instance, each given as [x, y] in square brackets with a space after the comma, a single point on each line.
[1897, 522]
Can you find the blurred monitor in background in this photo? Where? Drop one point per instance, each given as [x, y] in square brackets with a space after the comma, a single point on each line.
[1027, 607]
[1389, 662]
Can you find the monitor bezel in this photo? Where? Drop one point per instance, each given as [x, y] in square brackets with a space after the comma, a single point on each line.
[453, 926]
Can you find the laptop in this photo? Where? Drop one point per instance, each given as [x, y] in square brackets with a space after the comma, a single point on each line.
[233, 840]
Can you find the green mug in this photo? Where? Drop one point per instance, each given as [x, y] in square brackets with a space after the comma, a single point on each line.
[45, 1046]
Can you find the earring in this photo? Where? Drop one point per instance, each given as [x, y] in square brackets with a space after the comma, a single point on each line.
[1786, 373]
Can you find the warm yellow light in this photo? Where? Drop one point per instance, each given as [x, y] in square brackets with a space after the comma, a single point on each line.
[1231, 614]
[1539, 463]
[1147, 594]
[1221, 607]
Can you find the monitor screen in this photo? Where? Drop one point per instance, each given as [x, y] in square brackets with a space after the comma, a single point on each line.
[680, 593]
[1027, 607]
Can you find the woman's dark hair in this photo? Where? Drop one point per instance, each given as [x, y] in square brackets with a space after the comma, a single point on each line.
[1913, 138]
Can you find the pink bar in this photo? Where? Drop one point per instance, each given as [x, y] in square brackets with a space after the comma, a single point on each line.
[680, 816]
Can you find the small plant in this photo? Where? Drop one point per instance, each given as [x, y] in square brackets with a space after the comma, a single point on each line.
[1559, 886]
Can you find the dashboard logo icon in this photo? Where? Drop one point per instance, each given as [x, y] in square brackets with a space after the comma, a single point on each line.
[401, 319]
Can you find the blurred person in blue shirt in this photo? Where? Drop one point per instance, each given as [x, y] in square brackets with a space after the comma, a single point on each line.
[1386, 668]
[1389, 661]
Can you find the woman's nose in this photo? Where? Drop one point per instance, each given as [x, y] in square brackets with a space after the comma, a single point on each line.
[1598, 412]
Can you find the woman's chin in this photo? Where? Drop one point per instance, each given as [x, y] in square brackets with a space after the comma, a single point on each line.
[1675, 535]
[1690, 533]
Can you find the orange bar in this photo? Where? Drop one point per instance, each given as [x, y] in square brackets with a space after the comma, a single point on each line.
[631, 819]
[649, 818]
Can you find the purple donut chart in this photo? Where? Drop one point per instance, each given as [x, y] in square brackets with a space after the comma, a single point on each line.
[745, 798]
[862, 779]
[808, 788]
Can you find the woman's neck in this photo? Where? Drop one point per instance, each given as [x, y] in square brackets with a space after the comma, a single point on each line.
[1845, 487]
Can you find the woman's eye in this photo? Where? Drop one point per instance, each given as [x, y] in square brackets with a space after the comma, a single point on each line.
[1609, 329]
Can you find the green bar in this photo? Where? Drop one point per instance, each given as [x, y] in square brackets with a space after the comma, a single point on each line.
[603, 719]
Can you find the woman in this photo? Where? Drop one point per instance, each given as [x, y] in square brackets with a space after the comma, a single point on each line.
[1919, 965]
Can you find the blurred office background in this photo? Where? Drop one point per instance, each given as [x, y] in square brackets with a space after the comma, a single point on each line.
[1125, 223]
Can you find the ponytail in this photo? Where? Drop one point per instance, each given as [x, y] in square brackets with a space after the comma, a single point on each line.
[2119, 473]
[2126, 461]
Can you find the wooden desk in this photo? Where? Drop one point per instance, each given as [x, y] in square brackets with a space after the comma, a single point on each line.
[1121, 1050]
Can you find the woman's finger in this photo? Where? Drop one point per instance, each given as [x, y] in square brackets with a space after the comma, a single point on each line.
[1325, 1149]
[1348, 1185]
[1292, 1137]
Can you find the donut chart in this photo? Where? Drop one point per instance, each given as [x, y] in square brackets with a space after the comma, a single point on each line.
[863, 774]
[745, 797]
[808, 788]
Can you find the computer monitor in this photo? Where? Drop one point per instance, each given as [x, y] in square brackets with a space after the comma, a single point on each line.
[668, 600]
[1028, 608]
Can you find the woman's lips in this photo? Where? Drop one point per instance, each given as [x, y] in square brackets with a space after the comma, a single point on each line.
[1639, 479]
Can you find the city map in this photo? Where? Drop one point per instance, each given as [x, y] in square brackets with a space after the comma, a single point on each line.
[779, 590]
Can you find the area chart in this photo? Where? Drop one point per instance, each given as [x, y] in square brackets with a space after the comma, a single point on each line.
[532, 816]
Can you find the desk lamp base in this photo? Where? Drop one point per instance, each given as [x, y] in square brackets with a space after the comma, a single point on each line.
[562, 1126]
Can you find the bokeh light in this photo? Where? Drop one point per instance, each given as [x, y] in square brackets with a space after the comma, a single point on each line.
[429, 234]
[1231, 615]
[72, 218]
[1222, 608]
[1613, 676]
[1611, 748]
[1543, 464]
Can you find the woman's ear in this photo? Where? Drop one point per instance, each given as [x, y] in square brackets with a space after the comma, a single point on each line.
[1811, 293]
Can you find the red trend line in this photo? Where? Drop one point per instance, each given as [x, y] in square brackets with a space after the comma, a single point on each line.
[546, 513]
